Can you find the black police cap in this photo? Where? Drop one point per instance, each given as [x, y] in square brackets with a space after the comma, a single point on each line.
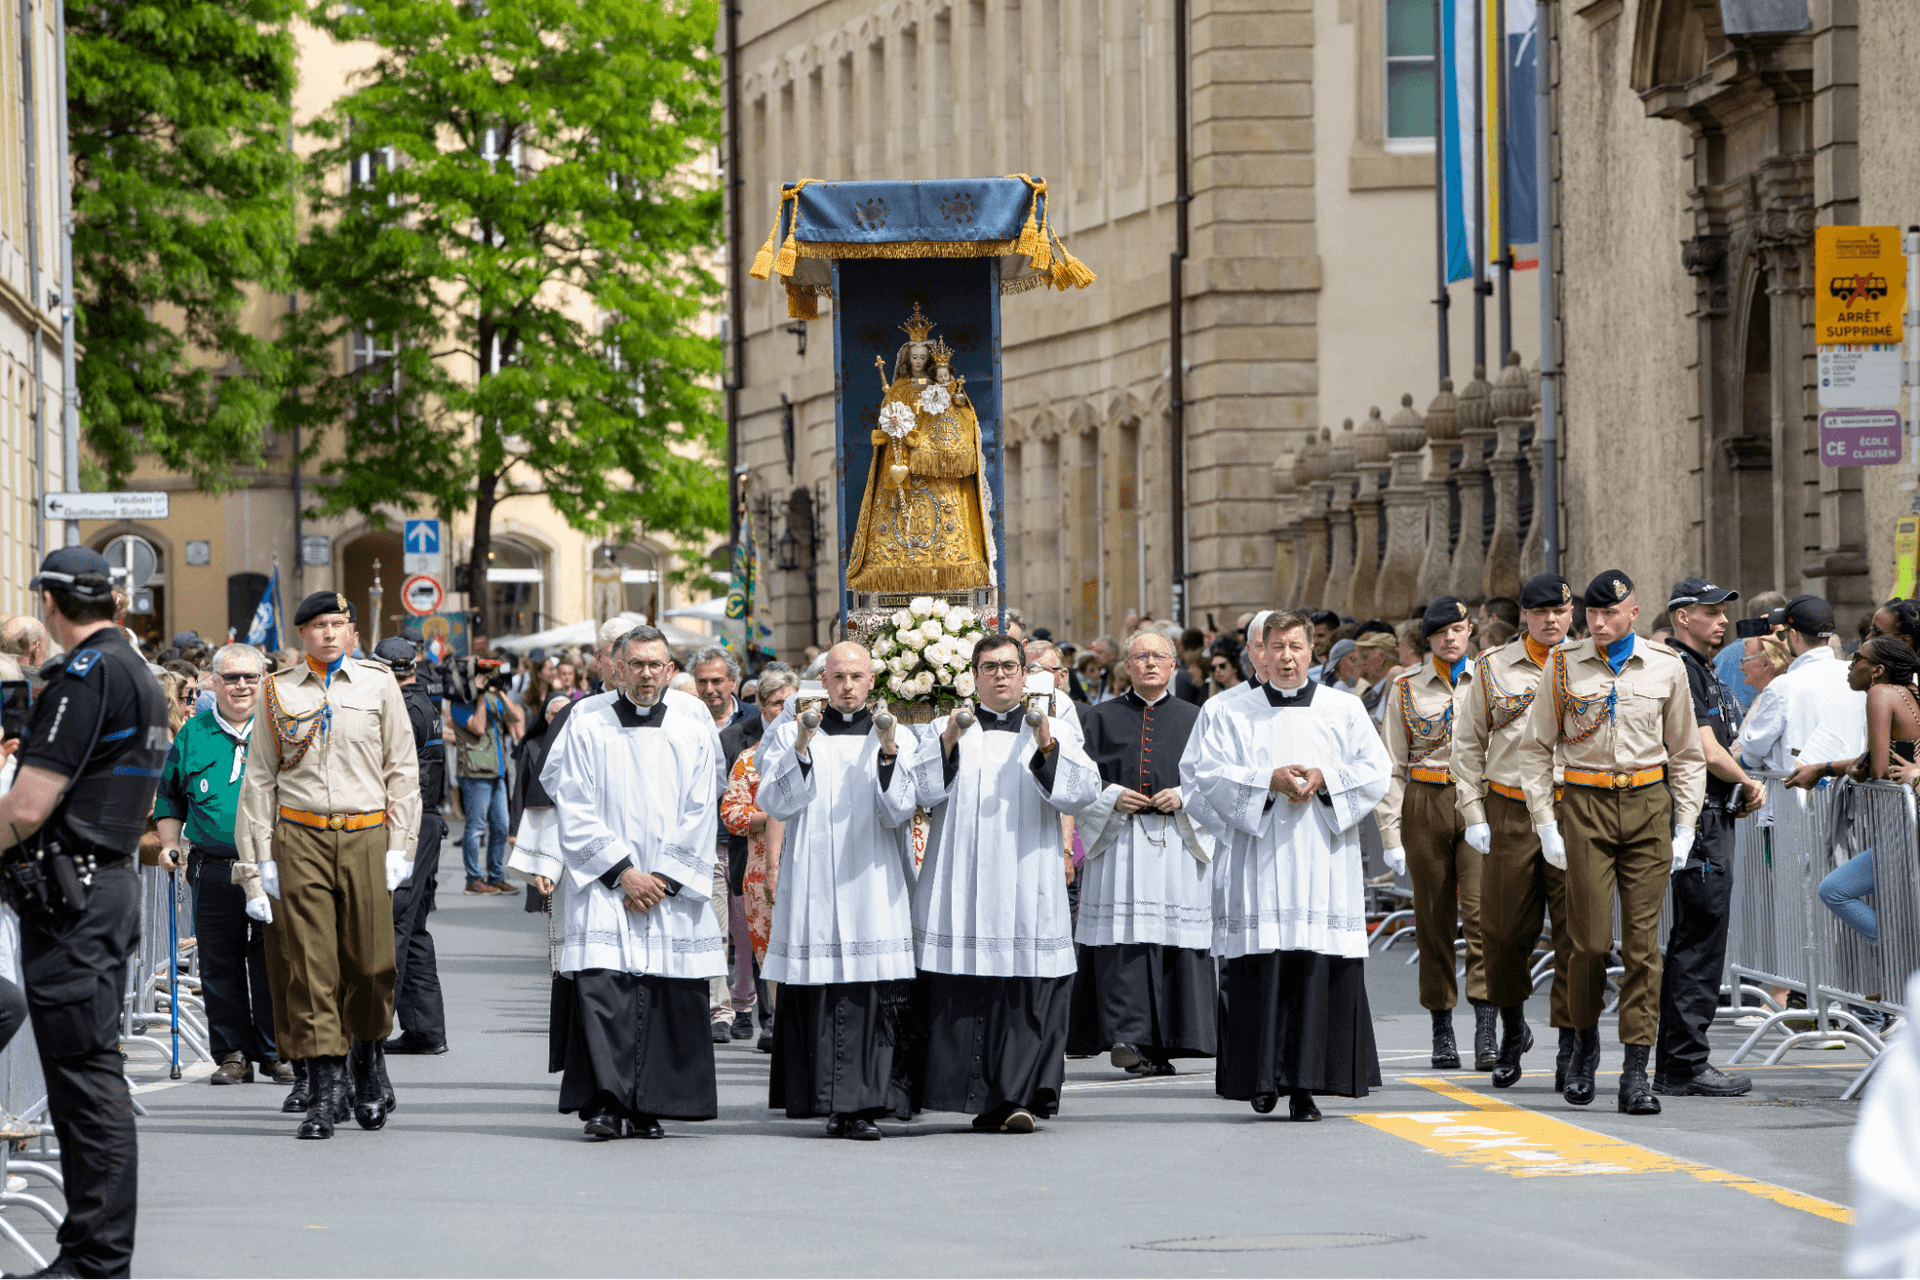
[1546, 591]
[397, 652]
[80, 571]
[1692, 591]
[1608, 588]
[1442, 613]
[322, 602]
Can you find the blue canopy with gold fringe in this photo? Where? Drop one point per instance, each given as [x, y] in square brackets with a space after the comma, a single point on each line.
[1005, 218]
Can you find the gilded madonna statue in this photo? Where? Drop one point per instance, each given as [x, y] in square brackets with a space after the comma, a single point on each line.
[922, 521]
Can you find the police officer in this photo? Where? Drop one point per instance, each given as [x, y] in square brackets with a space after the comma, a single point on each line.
[1703, 889]
[1617, 709]
[89, 768]
[416, 983]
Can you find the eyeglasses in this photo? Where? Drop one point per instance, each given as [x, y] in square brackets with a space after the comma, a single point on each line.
[645, 668]
[1151, 659]
[999, 668]
[232, 678]
[1039, 667]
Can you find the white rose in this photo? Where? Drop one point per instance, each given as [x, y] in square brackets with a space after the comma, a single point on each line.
[963, 684]
[914, 639]
[958, 617]
[901, 619]
[882, 647]
[932, 629]
[941, 608]
[920, 607]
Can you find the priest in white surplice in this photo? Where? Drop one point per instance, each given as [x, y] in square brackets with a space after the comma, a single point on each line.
[1290, 774]
[635, 782]
[990, 923]
[841, 947]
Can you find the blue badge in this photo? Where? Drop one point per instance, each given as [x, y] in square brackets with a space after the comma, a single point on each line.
[83, 662]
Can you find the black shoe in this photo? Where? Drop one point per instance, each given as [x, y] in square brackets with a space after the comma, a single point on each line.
[1300, 1107]
[1636, 1099]
[644, 1127]
[301, 1094]
[1582, 1067]
[323, 1075]
[1708, 1082]
[1123, 1056]
[58, 1267]
[404, 1045]
[863, 1130]
[1516, 1037]
[1486, 1048]
[387, 1100]
[743, 1026]
[723, 1032]
[370, 1104]
[765, 1043]
[343, 1097]
[836, 1126]
[990, 1121]
[1568, 1040]
[602, 1126]
[1446, 1055]
[1265, 1102]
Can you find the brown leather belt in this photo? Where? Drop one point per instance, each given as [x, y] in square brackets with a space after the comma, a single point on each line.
[1617, 781]
[1427, 773]
[1514, 793]
[334, 821]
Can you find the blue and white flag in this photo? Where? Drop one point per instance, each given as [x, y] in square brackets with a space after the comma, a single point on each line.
[1504, 53]
[265, 628]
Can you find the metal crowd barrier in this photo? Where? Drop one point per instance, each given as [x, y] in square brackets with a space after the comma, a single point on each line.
[23, 1106]
[148, 1018]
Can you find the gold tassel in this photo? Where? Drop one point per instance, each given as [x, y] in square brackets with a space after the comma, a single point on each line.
[763, 260]
[945, 464]
[1033, 238]
[1068, 271]
[920, 579]
[802, 305]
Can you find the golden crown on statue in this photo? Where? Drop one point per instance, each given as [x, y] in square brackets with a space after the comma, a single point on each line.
[918, 325]
[941, 352]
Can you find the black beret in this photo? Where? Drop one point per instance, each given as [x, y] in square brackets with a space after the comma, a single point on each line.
[1442, 613]
[1608, 588]
[322, 602]
[1545, 591]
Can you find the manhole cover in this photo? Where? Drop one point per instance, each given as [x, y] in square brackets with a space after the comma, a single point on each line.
[1259, 1244]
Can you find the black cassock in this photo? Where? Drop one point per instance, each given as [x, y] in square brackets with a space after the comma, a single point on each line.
[1158, 998]
[632, 1043]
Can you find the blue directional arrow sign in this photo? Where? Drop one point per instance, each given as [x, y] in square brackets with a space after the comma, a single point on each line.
[420, 541]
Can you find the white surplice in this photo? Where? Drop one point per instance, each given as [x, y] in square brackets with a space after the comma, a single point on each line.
[992, 894]
[1146, 878]
[1287, 876]
[844, 912]
[627, 790]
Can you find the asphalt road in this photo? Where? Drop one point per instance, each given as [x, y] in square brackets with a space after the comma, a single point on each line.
[477, 1174]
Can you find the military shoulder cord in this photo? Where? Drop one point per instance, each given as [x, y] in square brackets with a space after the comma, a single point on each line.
[1565, 702]
[286, 726]
[1425, 734]
[1507, 707]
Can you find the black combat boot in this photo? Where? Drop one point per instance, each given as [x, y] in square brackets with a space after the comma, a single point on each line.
[1516, 1037]
[1486, 1049]
[1446, 1055]
[369, 1101]
[1636, 1097]
[1568, 1040]
[1581, 1070]
[301, 1095]
[323, 1081]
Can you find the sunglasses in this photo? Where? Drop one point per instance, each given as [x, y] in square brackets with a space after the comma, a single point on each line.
[235, 678]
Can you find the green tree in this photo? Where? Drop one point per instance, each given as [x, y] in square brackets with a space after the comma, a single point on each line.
[179, 114]
[509, 218]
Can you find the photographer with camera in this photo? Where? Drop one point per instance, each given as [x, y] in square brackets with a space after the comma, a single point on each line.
[69, 828]
[485, 722]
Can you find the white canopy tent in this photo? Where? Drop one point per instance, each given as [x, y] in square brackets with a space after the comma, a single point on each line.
[580, 635]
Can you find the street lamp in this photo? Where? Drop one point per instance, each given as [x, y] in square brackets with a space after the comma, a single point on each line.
[788, 548]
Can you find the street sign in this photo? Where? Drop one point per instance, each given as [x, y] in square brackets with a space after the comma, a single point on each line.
[420, 547]
[1906, 548]
[316, 550]
[1860, 438]
[1859, 376]
[105, 506]
[131, 562]
[1860, 285]
[421, 594]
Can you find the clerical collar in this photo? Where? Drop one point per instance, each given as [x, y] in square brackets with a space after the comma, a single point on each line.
[1618, 652]
[1277, 697]
[1007, 721]
[1538, 652]
[242, 731]
[1133, 695]
[837, 722]
[634, 716]
[1449, 674]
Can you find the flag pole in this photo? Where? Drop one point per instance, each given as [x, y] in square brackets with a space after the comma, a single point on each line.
[1547, 508]
[1479, 248]
[1443, 298]
[1505, 244]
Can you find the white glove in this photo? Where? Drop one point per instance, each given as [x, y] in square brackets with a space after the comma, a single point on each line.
[1396, 860]
[399, 869]
[270, 878]
[1682, 846]
[1552, 845]
[1480, 838]
[260, 909]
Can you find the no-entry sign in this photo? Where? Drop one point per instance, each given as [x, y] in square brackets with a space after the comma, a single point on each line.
[421, 594]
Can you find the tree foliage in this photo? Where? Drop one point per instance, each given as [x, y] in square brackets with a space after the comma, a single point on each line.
[509, 216]
[179, 114]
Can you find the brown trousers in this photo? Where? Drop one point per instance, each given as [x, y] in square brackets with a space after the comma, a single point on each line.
[330, 950]
[1445, 871]
[1516, 885]
[1623, 838]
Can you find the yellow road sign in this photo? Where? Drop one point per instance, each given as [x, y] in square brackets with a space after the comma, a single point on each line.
[1860, 287]
[1906, 548]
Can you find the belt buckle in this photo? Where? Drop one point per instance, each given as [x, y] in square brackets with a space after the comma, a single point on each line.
[1621, 781]
[336, 822]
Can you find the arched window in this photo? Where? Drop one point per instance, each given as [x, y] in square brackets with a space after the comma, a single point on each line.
[516, 576]
[639, 579]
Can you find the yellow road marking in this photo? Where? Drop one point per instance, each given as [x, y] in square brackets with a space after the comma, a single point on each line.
[1500, 1136]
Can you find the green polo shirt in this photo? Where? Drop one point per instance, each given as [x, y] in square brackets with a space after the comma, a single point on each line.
[200, 784]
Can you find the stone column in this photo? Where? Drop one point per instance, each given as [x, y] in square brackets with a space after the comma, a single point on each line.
[1313, 583]
[1533, 552]
[1406, 517]
[1333, 596]
[1370, 455]
[1443, 434]
[1476, 426]
[1501, 577]
[1302, 528]
[1285, 518]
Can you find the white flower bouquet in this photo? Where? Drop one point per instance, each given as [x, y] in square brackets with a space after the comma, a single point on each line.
[923, 654]
[896, 419]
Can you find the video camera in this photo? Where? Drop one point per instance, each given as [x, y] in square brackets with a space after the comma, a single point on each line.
[467, 679]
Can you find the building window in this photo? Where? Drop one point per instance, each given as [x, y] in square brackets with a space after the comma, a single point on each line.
[1410, 74]
[639, 580]
[514, 578]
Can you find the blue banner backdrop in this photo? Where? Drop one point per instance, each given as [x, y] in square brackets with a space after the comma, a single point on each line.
[872, 297]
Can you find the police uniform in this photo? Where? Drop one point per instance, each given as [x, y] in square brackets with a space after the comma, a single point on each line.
[1419, 818]
[416, 985]
[101, 723]
[1702, 890]
[331, 803]
[1621, 720]
[1516, 883]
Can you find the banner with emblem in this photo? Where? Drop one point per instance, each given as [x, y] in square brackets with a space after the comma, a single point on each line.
[264, 630]
[743, 604]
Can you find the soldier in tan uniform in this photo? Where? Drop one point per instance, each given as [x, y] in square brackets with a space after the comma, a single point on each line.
[1423, 834]
[325, 833]
[1619, 712]
[1516, 883]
